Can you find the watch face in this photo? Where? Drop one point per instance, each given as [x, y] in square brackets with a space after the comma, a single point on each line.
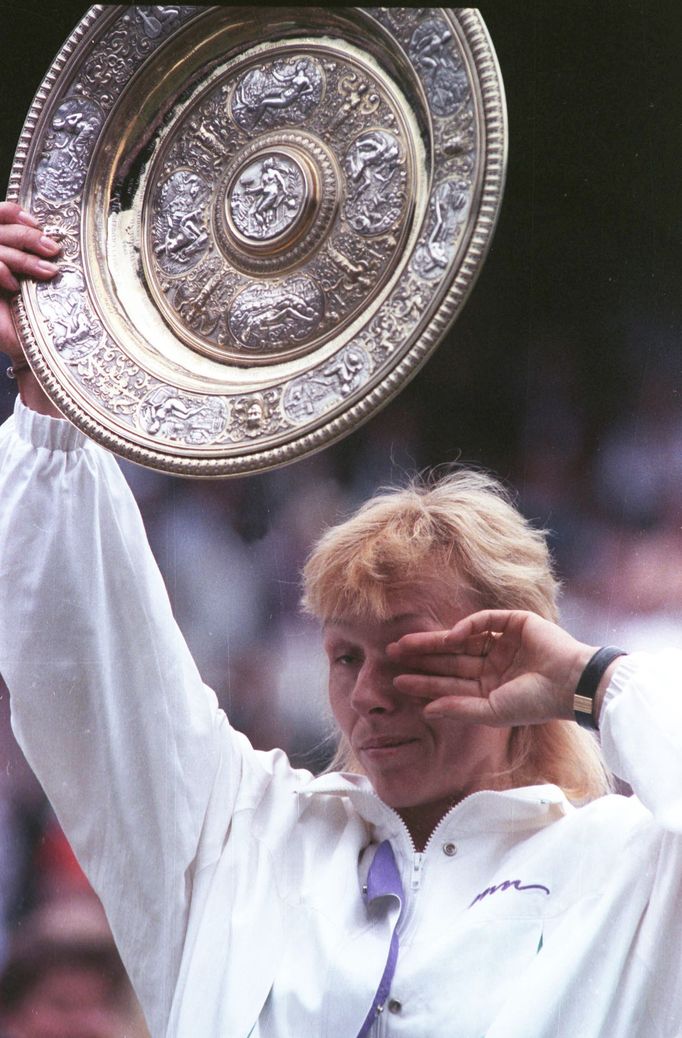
[269, 218]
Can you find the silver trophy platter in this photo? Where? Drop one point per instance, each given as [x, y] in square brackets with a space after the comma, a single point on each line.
[269, 218]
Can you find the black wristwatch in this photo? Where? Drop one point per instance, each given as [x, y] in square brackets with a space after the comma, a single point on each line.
[583, 700]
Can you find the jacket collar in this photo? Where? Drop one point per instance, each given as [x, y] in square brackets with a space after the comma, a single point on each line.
[524, 808]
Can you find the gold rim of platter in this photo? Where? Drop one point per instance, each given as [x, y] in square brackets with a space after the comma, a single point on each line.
[269, 218]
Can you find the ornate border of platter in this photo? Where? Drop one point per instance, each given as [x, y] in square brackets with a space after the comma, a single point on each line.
[269, 218]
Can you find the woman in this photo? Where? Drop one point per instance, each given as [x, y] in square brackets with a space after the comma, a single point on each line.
[444, 884]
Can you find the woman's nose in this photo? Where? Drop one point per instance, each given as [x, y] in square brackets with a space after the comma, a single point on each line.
[374, 689]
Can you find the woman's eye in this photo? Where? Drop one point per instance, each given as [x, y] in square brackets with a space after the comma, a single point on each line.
[346, 659]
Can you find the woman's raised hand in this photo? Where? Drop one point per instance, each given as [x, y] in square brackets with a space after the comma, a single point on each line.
[24, 252]
[496, 667]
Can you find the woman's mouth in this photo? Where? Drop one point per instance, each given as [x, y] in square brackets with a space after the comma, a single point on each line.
[386, 746]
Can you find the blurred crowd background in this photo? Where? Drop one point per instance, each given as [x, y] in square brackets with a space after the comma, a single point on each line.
[563, 375]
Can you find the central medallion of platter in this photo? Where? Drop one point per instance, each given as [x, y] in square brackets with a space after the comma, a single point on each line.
[276, 202]
[267, 199]
[276, 208]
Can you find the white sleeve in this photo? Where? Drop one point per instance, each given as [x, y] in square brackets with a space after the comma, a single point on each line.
[641, 735]
[107, 703]
[641, 731]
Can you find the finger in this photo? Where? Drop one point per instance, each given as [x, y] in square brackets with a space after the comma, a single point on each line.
[28, 239]
[8, 282]
[449, 664]
[434, 686]
[465, 710]
[519, 702]
[26, 264]
[417, 641]
[431, 642]
[496, 621]
[10, 212]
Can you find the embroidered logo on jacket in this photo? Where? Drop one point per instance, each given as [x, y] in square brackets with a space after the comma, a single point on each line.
[506, 885]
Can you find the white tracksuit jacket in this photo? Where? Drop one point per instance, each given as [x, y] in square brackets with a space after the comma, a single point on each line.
[233, 882]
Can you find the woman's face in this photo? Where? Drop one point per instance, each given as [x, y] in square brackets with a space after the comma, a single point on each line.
[417, 766]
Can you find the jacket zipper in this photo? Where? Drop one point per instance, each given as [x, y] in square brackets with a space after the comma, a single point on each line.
[407, 921]
[417, 866]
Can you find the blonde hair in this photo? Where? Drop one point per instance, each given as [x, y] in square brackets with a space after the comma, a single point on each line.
[462, 532]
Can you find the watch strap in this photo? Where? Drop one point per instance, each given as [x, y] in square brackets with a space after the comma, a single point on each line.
[583, 700]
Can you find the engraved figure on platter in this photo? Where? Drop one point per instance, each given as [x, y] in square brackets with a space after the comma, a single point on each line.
[254, 415]
[432, 257]
[375, 191]
[430, 40]
[170, 416]
[305, 398]
[410, 301]
[204, 133]
[267, 197]
[347, 370]
[269, 194]
[61, 171]
[286, 91]
[358, 96]
[208, 138]
[63, 304]
[113, 377]
[352, 274]
[265, 316]
[432, 47]
[157, 20]
[201, 298]
[278, 315]
[179, 229]
[308, 396]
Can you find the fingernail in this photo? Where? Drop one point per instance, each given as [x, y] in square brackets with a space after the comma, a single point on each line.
[24, 217]
[48, 268]
[49, 245]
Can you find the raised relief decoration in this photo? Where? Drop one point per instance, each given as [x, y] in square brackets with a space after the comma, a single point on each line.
[176, 416]
[280, 199]
[180, 232]
[375, 183]
[266, 316]
[264, 222]
[61, 172]
[268, 197]
[276, 93]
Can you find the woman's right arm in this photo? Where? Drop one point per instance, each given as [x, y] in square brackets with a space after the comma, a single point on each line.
[106, 700]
